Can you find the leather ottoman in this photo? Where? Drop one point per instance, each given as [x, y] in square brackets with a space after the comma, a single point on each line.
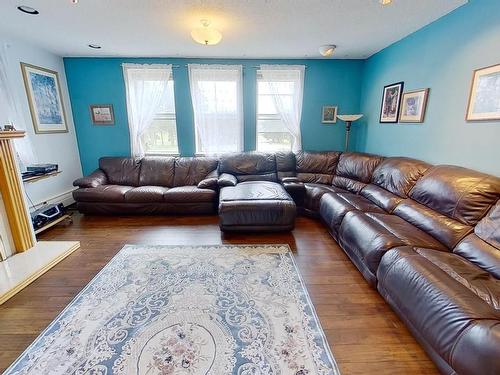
[256, 206]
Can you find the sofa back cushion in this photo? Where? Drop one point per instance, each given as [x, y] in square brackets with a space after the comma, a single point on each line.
[157, 171]
[249, 166]
[398, 175]
[121, 171]
[354, 170]
[483, 246]
[285, 164]
[459, 193]
[190, 171]
[445, 229]
[316, 167]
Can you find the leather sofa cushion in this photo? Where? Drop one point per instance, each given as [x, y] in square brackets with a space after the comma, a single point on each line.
[398, 174]
[381, 197]
[462, 194]
[443, 228]
[370, 235]
[189, 194]
[449, 302]
[249, 166]
[483, 247]
[145, 194]
[354, 171]
[314, 192]
[102, 193]
[316, 167]
[121, 171]
[262, 190]
[190, 171]
[334, 206]
[157, 171]
[285, 164]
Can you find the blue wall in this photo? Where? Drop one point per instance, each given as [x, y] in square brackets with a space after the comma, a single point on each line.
[100, 81]
[442, 57]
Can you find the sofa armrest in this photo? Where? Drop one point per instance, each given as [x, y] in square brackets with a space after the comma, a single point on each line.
[226, 179]
[296, 189]
[211, 181]
[290, 179]
[96, 178]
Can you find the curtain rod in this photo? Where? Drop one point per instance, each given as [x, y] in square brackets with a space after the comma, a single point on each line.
[244, 67]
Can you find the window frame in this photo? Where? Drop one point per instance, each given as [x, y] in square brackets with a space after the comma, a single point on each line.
[239, 87]
[167, 116]
[258, 117]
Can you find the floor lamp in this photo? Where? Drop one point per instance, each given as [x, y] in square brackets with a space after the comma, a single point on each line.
[348, 119]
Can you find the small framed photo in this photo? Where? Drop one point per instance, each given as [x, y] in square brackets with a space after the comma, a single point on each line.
[44, 97]
[413, 106]
[329, 114]
[484, 97]
[102, 114]
[391, 100]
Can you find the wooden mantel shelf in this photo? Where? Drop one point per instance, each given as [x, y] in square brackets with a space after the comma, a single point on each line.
[12, 134]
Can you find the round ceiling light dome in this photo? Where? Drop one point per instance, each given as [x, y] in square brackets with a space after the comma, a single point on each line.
[327, 50]
[27, 9]
[206, 35]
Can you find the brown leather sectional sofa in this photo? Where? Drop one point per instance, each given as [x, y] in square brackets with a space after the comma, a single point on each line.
[427, 237]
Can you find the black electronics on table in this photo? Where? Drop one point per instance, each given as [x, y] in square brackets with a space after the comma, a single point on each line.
[47, 214]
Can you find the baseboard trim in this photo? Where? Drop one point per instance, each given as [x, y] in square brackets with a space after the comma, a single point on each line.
[65, 198]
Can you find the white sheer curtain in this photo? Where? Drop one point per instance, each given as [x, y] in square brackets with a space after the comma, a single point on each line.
[146, 89]
[10, 113]
[217, 97]
[286, 85]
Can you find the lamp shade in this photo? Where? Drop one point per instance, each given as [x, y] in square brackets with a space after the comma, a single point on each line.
[206, 35]
[350, 118]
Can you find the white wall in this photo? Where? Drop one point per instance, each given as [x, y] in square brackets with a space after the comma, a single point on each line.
[59, 148]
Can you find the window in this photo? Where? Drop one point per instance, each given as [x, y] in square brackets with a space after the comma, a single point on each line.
[161, 136]
[216, 93]
[279, 107]
[151, 109]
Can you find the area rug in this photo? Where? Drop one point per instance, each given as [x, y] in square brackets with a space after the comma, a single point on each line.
[187, 310]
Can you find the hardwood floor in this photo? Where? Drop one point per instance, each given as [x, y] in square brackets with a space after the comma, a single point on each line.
[366, 337]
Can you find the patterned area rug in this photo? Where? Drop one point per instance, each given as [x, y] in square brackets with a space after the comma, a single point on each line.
[187, 310]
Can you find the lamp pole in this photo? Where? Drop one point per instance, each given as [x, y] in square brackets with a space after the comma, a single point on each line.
[348, 119]
[347, 131]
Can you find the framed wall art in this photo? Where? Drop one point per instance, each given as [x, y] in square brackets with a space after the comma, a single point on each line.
[102, 114]
[391, 100]
[329, 114]
[413, 106]
[44, 97]
[484, 97]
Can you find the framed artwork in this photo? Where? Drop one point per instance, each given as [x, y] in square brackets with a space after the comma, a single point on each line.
[102, 114]
[391, 100]
[44, 97]
[413, 106]
[329, 114]
[484, 97]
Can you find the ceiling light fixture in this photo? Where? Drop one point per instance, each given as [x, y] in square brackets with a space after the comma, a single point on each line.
[327, 50]
[95, 46]
[206, 35]
[385, 2]
[28, 10]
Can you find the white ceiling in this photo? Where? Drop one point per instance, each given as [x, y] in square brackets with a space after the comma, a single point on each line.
[250, 28]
